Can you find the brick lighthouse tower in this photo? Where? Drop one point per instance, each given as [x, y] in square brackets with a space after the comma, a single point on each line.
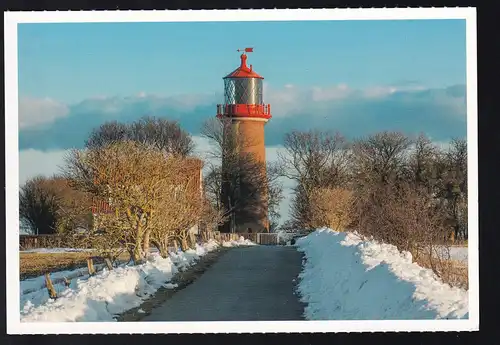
[245, 115]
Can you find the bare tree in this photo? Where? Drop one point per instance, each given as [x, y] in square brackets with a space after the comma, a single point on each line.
[212, 185]
[129, 176]
[162, 134]
[455, 182]
[108, 133]
[39, 205]
[332, 207]
[381, 158]
[159, 133]
[179, 208]
[288, 226]
[423, 163]
[50, 205]
[313, 159]
[457, 159]
[212, 216]
[274, 194]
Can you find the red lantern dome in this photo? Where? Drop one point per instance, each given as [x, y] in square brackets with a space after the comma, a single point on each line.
[243, 93]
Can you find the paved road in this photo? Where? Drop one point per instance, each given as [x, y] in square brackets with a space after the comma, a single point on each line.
[245, 284]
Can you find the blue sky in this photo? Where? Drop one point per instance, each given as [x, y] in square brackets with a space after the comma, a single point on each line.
[356, 77]
[73, 61]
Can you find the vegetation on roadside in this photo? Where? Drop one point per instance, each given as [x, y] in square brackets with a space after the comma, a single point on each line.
[132, 185]
[387, 186]
[138, 184]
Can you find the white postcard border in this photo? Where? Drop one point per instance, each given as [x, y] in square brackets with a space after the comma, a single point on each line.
[14, 326]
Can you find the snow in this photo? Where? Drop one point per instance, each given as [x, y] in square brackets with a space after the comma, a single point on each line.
[54, 250]
[459, 254]
[346, 277]
[38, 283]
[241, 242]
[284, 237]
[106, 294]
[456, 253]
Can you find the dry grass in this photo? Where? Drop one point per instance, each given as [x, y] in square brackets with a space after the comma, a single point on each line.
[457, 274]
[452, 272]
[331, 207]
[37, 264]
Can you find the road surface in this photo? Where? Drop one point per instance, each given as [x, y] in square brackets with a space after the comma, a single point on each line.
[246, 284]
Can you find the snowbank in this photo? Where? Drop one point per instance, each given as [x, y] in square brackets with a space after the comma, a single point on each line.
[101, 297]
[241, 242]
[345, 277]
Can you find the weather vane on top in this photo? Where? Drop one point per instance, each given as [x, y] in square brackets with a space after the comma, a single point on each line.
[246, 50]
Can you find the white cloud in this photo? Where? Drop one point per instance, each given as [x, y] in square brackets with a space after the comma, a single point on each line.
[291, 99]
[285, 100]
[335, 92]
[408, 107]
[387, 90]
[36, 111]
[35, 162]
[378, 91]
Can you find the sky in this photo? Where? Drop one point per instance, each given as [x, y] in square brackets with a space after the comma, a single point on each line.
[71, 62]
[356, 77]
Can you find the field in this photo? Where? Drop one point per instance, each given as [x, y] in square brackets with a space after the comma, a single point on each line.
[33, 264]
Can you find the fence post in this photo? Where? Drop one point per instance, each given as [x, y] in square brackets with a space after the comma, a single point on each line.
[50, 286]
[108, 263]
[90, 266]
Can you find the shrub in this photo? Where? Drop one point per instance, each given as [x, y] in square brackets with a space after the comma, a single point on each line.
[331, 207]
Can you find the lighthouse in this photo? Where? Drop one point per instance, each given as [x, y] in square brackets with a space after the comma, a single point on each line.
[246, 114]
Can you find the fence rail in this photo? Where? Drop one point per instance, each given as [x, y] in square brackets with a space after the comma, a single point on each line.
[27, 242]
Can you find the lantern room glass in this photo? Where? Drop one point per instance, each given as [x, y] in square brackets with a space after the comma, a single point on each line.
[243, 91]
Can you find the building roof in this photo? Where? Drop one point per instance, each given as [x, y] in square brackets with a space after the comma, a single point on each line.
[243, 71]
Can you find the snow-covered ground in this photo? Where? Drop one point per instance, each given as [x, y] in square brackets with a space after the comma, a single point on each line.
[54, 250]
[346, 277]
[241, 242]
[456, 253]
[101, 297]
[284, 237]
[459, 254]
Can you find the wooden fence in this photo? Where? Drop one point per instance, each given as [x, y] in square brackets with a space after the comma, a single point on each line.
[40, 241]
[27, 242]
